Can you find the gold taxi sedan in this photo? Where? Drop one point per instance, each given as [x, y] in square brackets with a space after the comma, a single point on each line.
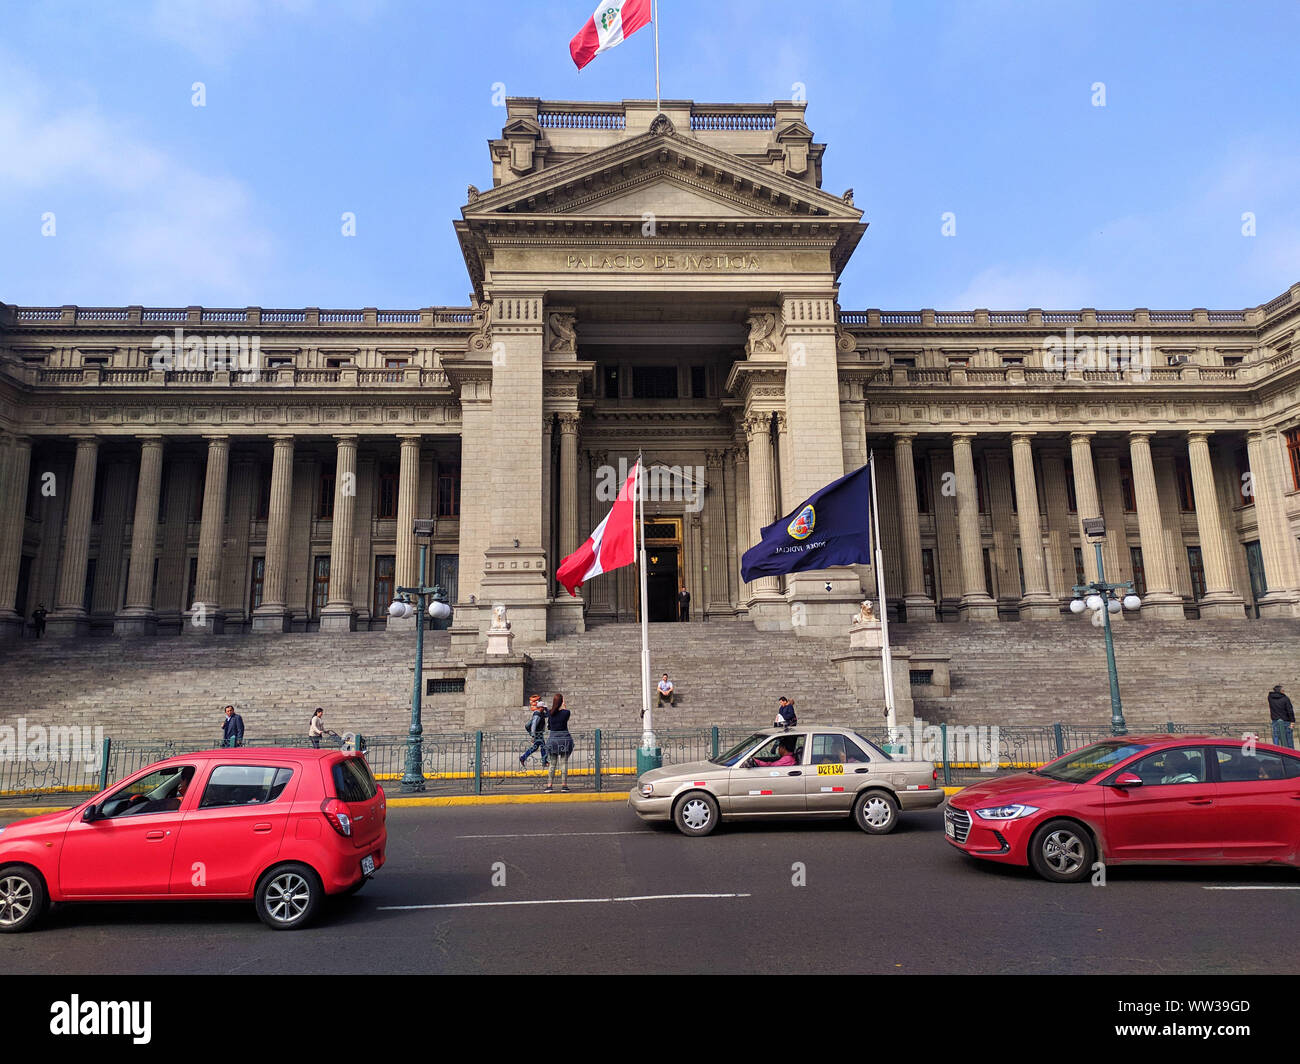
[804, 771]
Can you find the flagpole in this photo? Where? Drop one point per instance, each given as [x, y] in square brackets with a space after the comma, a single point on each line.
[886, 658]
[655, 19]
[647, 727]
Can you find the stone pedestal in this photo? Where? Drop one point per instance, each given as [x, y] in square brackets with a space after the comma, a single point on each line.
[67, 624]
[494, 689]
[819, 613]
[338, 619]
[565, 616]
[500, 642]
[770, 612]
[208, 621]
[1222, 606]
[864, 672]
[866, 635]
[271, 619]
[1166, 606]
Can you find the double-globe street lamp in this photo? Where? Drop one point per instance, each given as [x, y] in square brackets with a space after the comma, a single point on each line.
[1105, 597]
[410, 602]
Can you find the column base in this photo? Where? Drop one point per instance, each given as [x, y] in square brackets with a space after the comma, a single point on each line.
[341, 618]
[1222, 606]
[136, 621]
[1273, 604]
[271, 619]
[11, 626]
[770, 612]
[1039, 608]
[565, 617]
[67, 623]
[977, 608]
[1163, 606]
[208, 621]
[919, 610]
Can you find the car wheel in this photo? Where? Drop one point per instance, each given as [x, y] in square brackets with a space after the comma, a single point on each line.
[876, 813]
[1062, 851]
[22, 899]
[288, 896]
[696, 814]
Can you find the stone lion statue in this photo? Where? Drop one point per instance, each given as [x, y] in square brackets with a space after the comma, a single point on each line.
[499, 622]
[865, 614]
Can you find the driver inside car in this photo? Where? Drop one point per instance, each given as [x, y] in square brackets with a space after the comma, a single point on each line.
[787, 748]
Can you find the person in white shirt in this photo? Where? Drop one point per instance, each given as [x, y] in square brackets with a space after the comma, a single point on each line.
[665, 690]
[316, 729]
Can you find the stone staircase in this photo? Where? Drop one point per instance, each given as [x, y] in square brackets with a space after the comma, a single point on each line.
[727, 673]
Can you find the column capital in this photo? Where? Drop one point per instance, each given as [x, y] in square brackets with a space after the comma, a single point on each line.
[1258, 435]
[85, 440]
[1199, 434]
[410, 438]
[1023, 436]
[1141, 434]
[215, 437]
[756, 423]
[569, 421]
[1082, 436]
[282, 437]
[904, 437]
[346, 437]
[963, 438]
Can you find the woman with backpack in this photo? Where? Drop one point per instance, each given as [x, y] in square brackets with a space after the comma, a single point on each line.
[559, 743]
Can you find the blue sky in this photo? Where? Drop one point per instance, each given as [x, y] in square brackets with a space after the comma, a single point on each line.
[384, 108]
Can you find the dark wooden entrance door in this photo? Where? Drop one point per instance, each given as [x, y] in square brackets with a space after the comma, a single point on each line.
[661, 583]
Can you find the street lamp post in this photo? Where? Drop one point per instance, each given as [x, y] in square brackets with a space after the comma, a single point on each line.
[410, 601]
[1103, 596]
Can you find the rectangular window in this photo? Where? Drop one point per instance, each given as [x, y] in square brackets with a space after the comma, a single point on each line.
[387, 493]
[699, 384]
[1080, 577]
[1186, 493]
[1293, 456]
[385, 585]
[905, 363]
[325, 511]
[927, 572]
[394, 363]
[244, 785]
[654, 382]
[611, 382]
[256, 585]
[446, 572]
[1197, 570]
[320, 584]
[1126, 485]
[448, 491]
[1139, 572]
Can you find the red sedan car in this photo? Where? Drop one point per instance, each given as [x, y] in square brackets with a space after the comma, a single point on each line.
[1149, 799]
[281, 827]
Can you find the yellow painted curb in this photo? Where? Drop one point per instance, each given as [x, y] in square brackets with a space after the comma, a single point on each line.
[952, 790]
[511, 799]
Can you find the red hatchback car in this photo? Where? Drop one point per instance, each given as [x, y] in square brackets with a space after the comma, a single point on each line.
[1151, 799]
[282, 827]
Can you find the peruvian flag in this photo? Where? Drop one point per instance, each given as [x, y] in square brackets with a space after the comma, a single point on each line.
[613, 23]
[611, 546]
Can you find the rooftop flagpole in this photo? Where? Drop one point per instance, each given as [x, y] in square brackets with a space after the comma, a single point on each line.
[655, 19]
[886, 658]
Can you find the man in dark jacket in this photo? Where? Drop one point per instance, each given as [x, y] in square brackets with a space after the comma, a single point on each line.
[1283, 715]
[232, 731]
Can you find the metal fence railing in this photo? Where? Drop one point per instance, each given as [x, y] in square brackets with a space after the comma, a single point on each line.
[487, 762]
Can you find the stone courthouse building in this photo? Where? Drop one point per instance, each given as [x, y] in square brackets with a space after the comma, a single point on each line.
[656, 281]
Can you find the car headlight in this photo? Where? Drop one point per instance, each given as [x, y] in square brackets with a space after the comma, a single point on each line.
[1007, 812]
[647, 789]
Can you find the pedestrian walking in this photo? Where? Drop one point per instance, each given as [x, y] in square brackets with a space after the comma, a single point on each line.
[38, 620]
[232, 731]
[316, 729]
[536, 729]
[559, 743]
[785, 715]
[1283, 716]
[683, 604]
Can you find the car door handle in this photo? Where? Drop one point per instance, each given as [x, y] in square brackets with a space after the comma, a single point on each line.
[261, 829]
[157, 836]
[859, 770]
[1200, 801]
[796, 772]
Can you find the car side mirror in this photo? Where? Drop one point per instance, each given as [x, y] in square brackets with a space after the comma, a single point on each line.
[1127, 779]
[91, 814]
[749, 762]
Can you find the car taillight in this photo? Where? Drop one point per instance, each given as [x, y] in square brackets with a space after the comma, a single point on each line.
[934, 774]
[338, 818]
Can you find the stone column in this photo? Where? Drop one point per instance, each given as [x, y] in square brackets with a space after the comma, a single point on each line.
[566, 610]
[976, 604]
[1275, 540]
[69, 616]
[550, 533]
[947, 552]
[203, 616]
[273, 614]
[1110, 486]
[1085, 496]
[733, 535]
[182, 477]
[743, 526]
[999, 484]
[16, 466]
[1060, 545]
[919, 606]
[1159, 601]
[242, 493]
[1221, 600]
[408, 487]
[338, 614]
[137, 617]
[717, 601]
[1037, 604]
[115, 498]
[766, 606]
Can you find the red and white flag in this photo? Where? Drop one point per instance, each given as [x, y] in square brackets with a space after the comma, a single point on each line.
[613, 23]
[611, 546]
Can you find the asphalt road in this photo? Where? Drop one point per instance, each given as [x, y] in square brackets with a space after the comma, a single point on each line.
[902, 903]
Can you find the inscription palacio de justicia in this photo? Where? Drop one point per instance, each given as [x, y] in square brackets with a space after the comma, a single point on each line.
[626, 260]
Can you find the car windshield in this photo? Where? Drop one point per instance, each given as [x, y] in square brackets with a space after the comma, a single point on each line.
[730, 757]
[1082, 765]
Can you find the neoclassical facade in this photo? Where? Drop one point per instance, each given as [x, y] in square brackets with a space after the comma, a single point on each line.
[663, 282]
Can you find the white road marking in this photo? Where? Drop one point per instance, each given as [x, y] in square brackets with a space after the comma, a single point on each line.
[558, 901]
[552, 834]
[1252, 888]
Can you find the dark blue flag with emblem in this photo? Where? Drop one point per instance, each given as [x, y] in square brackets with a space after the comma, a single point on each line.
[832, 527]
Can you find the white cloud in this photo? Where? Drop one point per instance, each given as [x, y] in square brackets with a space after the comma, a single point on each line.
[1015, 288]
[213, 29]
[136, 219]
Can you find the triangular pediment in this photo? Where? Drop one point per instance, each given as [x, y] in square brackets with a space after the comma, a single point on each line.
[667, 174]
